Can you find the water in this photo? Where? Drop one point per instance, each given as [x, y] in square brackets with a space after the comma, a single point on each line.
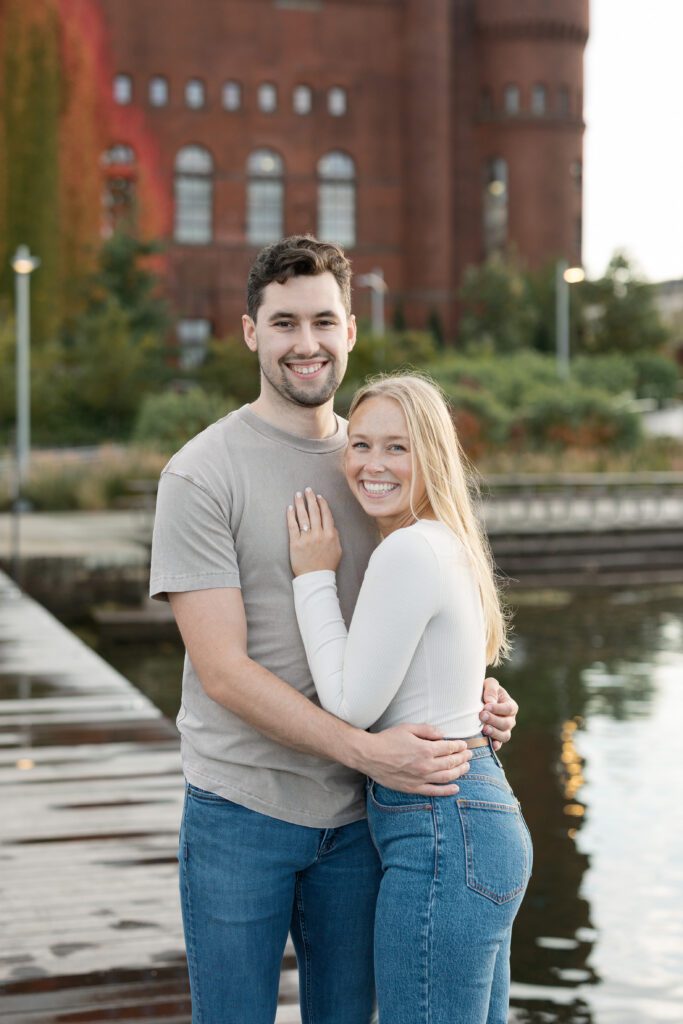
[595, 762]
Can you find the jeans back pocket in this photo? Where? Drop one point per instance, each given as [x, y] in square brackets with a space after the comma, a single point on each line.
[497, 848]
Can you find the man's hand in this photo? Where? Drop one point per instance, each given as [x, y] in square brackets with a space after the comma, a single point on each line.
[414, 759]
[499, 714]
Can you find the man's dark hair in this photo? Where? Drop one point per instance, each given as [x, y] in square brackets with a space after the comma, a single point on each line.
[297, 256]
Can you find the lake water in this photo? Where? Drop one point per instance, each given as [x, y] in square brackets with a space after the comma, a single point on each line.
[596, 763]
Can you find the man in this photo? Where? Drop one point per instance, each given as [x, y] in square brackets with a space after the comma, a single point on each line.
[273, 837]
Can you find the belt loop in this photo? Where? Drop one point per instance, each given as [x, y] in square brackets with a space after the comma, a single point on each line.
[494, 755]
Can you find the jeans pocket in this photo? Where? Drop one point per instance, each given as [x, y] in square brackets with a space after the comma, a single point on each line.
[392, 801]
[204, 795]
[497, 848]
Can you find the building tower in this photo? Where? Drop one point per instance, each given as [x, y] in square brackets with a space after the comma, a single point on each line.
[529, 74]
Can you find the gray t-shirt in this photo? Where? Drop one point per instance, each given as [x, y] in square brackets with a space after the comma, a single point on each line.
[221, 522]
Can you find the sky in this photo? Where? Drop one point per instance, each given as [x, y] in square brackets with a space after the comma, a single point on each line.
[633, 155]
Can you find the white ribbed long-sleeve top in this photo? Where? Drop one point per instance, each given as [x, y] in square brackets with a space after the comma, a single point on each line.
[415, 648]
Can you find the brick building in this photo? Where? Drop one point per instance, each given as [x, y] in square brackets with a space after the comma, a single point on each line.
[422, 134]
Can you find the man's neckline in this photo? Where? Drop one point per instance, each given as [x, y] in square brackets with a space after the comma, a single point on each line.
[308, 444]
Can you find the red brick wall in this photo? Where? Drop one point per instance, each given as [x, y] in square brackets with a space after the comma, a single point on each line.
[413, 70]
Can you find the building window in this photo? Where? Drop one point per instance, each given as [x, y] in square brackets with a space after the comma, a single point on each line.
[337, 198]
[538, 100]
[265, 197]
[118, 198]
[302, 99]
[485, 102]
[495, 205]
[267, 98]
[563, 101]
[232, 96]
[158, 91]
[576, 171]
[511, 102]
[193, 196]
[336, 101]
[195, 94]
[123, 89]
[193, 338]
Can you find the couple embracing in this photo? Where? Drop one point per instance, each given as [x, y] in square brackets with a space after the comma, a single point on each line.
[337, 602]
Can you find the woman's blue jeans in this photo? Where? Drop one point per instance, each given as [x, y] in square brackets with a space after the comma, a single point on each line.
[454, 871]
[246, 880]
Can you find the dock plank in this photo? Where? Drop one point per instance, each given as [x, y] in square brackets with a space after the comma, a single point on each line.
[91, 791]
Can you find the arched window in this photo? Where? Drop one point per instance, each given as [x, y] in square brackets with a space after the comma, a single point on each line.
[539, 100]
[195, 94]
[193, 195]
[265, 196]
[302, 99]
[337, 101]
[118, 198]
[232, 95]
[267, 97]
[337, 198]
[122, 89]
[158, 91]
[495, 205]
[511, 103]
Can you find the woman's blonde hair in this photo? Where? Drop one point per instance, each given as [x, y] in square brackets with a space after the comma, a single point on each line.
[450, 484]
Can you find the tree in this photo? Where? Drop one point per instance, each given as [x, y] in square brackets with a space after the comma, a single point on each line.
[498, 311]
[620, 314]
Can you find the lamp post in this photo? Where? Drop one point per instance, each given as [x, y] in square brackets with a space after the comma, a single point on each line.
[378, 286]
[23, 264]
[564, 276]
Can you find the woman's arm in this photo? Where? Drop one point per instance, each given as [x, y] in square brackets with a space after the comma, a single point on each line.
[357, 673]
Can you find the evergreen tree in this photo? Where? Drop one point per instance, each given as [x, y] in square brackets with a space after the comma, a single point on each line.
[498, 310]
[621, 315]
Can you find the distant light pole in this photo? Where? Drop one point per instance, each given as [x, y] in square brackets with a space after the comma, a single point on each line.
[564, 276]
[378, 286]
[23, 264]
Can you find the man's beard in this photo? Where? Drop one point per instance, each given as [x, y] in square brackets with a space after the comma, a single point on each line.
[306, 397]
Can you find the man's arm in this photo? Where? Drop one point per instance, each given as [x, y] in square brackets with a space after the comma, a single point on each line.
[406, 757]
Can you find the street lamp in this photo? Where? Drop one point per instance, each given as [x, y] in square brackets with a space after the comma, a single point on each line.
[23, 264]
[375, 281]
[564, 276]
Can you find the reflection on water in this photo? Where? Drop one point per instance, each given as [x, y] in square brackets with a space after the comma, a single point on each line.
[600, 935]
[599, 677]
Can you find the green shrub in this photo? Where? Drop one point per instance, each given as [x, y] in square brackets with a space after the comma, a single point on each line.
[565, 416]
[656, 376]
[230, 368]
[480, 420]
[508, 379]
[615, 373]
[168, 420]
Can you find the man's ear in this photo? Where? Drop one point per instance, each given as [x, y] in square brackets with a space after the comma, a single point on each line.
[351, 336]
[249, 331]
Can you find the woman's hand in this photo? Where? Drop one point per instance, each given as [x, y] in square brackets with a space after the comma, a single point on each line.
[313, 538]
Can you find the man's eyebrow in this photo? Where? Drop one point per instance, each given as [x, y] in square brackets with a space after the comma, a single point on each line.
[282, 314]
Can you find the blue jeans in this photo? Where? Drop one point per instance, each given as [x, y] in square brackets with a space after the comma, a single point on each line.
[454, 871]
[246, 880]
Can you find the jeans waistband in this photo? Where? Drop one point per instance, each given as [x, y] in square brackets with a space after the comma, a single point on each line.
[478, 752]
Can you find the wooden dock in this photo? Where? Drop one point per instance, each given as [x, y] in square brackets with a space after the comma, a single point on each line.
[91, 795]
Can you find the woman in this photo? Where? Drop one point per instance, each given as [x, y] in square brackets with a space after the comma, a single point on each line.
[427, 621]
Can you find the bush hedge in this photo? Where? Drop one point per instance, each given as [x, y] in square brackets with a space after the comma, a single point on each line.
[166, 421]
